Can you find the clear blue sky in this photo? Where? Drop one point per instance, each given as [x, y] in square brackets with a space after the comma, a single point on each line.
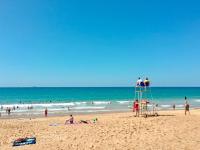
[99, 43]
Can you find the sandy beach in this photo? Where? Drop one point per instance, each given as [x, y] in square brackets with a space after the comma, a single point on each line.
[169, 131]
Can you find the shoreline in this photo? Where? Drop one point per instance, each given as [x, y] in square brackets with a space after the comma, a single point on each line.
[34, 116]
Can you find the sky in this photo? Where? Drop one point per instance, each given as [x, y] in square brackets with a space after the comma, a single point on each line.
[99, 43]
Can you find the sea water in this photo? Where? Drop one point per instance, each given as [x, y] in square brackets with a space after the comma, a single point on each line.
[64, 100]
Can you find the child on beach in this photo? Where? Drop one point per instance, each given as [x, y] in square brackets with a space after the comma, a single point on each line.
[70, 120]
[136, 108]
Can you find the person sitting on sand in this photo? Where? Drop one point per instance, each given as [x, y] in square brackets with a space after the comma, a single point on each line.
[70, 120]
[187, 107]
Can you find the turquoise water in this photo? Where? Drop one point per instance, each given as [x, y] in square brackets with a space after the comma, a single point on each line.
[93, 99]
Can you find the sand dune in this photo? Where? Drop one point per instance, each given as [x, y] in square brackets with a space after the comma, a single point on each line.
[114, 131]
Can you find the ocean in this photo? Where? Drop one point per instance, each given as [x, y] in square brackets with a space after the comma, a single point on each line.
[65, 100]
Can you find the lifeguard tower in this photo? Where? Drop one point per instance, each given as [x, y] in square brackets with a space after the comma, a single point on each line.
[144, 95]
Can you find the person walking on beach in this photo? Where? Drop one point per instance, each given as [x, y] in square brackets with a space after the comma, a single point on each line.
[187, 107]
[46, 112]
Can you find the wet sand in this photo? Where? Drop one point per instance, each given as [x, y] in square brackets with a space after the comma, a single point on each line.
[170, 131]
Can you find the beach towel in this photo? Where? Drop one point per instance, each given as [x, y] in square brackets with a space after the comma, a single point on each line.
[24, 141]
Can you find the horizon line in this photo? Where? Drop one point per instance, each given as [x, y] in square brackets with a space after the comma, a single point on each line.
[94, 86]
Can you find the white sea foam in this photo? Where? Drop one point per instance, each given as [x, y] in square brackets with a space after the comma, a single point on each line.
[179, 106]
[53, 105]
[39, 105]
[87, 107]
[91, 111]
[165, 106]
[80, 103]
[123, 102]
[101, 102]
[15, 105]
[197, 100]
[57, 109]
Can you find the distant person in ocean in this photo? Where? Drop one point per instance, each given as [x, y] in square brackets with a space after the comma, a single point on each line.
[9, 111]
[147, 82]
[70, 120]
[187, 107]
[68, 108]
[46, 112]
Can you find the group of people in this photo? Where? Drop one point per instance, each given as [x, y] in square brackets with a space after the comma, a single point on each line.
[136, 107]
[8, 110]
[141, 105]
[141, 83]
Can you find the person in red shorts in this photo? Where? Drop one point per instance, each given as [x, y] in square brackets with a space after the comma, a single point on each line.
[136, 108]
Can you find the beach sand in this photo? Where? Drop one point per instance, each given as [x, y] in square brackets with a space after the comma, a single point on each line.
[116, 131]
